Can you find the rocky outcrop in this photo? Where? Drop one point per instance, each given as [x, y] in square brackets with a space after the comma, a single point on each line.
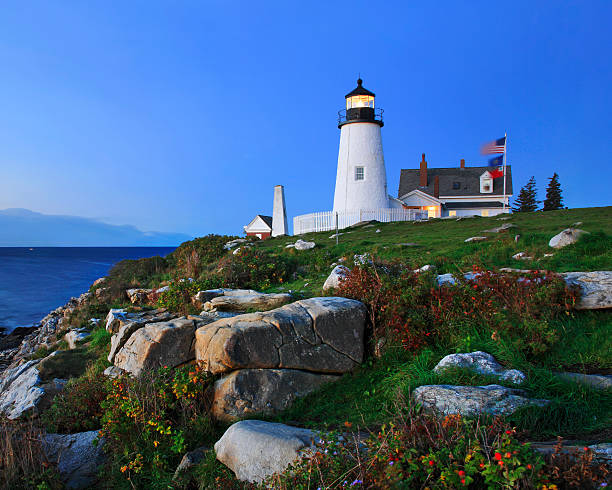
[244, 300]
[116, 318]
[323, 335]
[138, 296]
[470, 401]
[75, 336]
[595, 288]
[248, 392]
[482, 363]
[20, 390]
[597, 381]
[119, 339]
[156, 345]
[475, 239]
[522, 256]
[255, 450]
[337, 275]
[234, 243]
[23, 391]
[569, 236]
[77, 457]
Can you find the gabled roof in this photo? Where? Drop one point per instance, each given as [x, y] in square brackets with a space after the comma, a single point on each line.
[360, 90]
[468, 179]
[422, 195]
[267, 221]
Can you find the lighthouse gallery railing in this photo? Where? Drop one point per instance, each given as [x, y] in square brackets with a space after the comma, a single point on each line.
[326, 220]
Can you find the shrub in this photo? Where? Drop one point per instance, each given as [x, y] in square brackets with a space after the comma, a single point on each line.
[410, 309]
[417, 450]
[190, 257]
[254, 269]
[178, 296]
[134, 273]
[77, 407]
[150, 421]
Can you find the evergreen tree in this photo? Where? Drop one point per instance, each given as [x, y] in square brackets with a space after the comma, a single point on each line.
[527, 198]
[553, 194]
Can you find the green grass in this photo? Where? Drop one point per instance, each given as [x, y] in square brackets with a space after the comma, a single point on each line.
[441, 243]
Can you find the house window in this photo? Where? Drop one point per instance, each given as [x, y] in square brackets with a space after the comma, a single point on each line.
[456, 186]
[452, 213]
[359, 173]
[486, 185]
[485, 212]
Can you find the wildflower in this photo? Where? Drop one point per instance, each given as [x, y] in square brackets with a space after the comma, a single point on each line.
[123, 469]
[509, 432]
[390, 463]
[463, 481]
[529, 466]
[431, 462]
[461, 473]
[508, 455]
[497, 456]
[356, 482]
[500, 463]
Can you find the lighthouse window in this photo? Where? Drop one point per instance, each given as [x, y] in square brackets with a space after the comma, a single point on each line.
[359, 173]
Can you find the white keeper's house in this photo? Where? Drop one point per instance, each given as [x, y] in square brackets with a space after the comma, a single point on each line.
[455, 191]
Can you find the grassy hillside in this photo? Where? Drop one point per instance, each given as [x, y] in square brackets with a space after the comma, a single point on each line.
[530, 325]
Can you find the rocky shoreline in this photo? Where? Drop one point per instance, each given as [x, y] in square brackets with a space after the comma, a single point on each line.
[23, 342]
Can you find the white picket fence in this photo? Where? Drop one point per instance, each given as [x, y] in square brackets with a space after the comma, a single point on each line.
[326, 220]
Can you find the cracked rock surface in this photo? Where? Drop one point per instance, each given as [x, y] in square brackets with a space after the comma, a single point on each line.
[323, 335]
[262, 391]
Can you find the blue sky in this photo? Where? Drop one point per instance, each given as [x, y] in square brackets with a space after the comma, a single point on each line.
[182, 116]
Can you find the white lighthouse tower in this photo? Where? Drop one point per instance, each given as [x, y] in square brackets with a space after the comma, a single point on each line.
[361, 180]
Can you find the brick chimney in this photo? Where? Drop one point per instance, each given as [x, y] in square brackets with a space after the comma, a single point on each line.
[423, 172]
[437, 186]
[462, 163]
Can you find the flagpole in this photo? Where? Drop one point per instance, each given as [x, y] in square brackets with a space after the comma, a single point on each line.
[505, 148]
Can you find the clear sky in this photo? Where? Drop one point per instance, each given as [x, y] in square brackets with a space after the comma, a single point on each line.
[182, 116]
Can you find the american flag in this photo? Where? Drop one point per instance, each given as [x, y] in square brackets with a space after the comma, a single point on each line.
[493, 147]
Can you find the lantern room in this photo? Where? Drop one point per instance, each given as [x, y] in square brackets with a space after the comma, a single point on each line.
[360, 107]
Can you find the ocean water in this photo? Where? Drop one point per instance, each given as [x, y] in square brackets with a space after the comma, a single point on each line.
[34, 281]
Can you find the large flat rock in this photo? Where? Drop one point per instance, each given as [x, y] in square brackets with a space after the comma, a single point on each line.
[156, 345]
[255, 450]
[569, 236]
[248, 392]
[248, 300]
[471, 401]
[595, 288]
[324, 335]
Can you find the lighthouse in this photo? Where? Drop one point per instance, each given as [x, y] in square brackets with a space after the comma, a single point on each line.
[361, 179]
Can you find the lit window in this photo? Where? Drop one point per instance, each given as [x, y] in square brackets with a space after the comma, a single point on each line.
[485, 212]
[452, 213]
[486, 185]
[360, 101]
[359, 173]
[456, 185]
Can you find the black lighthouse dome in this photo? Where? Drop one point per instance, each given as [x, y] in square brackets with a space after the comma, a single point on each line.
[360, 107]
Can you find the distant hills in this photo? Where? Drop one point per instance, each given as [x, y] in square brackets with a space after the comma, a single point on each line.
[25, 228]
